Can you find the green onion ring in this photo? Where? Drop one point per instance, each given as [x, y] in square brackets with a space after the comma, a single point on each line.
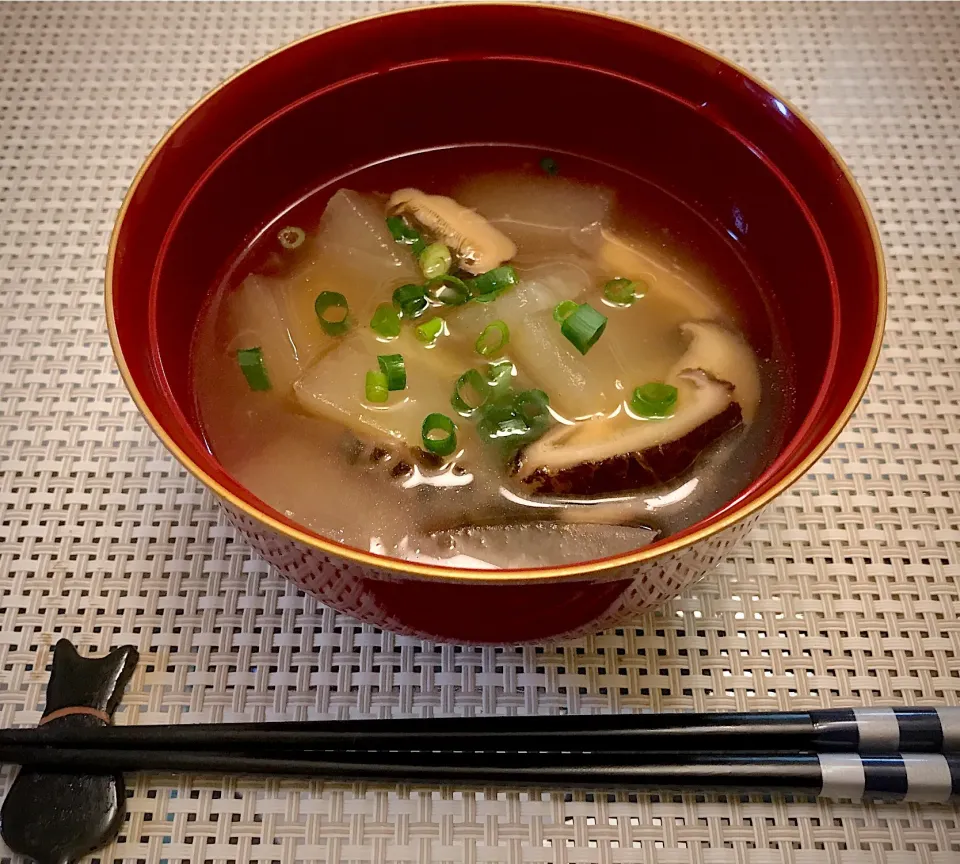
[291, 237]
[498, 279]
[620, 292]
[500, 377]
[385, 321]
[532, 405]
[564, 310]
[473, 379]
[254, 369]
[404, 234]
[430, 330]
[332, 300]
[375, 387]
[584, 327]
[450, 290]
[435, 260]
[439, 423]
[410, 300]
[394, 369]
[492, 339]
[654, 400]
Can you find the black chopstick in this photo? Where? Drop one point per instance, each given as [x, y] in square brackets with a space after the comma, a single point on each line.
[926, 777]
[863, 730]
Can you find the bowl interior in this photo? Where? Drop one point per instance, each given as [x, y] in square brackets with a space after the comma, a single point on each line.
[697, 128]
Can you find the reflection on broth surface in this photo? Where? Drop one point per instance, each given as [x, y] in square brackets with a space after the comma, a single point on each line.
[509, 366]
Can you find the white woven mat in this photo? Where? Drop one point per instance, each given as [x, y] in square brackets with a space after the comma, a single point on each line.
[846, 593]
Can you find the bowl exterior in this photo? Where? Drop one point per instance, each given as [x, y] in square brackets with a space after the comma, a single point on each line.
[496, 612]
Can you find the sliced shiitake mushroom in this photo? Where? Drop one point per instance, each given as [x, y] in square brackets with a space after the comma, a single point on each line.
[620, 453]
[617, 454]
[477, 245]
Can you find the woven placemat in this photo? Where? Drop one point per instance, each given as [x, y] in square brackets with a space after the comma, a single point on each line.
[845, 594]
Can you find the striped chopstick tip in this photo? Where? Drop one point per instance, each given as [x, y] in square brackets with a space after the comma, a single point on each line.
[890, 730]
[918, 777]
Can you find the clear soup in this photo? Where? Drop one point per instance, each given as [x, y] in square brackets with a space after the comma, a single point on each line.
[487, 357]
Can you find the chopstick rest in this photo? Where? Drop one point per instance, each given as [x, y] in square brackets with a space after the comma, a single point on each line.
[56, 818]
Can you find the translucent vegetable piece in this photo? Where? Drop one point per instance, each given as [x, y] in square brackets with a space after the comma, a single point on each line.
[577, 385]
[542, 215]
[541, 288]
[648, 335]
[285, 462]
[334, 386]
[356, 254]
[276, 315]
[665, 282]
[354, 226]
[529, 544]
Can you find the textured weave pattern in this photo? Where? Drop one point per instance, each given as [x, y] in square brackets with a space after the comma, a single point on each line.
[846, 592]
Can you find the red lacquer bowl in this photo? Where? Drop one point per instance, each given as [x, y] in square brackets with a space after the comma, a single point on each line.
[558, 79]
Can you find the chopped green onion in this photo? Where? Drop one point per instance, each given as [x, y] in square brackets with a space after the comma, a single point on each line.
[439, 434]
[447, 289]
[406, 235]
[584, 327]
[430, 330]
[411, 300]
[500, 407]
[488, 298]
[532, 405]
[393, 367]
[470, 393]
[385, 321]
[500, 377]
[332, 300]
[435, 260]
[654, 400]
[376, 389]
[511, 420]
[291, 237]
[253, 368]
[510, 426]
[497, 279]
[549, 166]
[621, 292]
[564, 310]
[492, 339]
[501, 422]
[519, 418]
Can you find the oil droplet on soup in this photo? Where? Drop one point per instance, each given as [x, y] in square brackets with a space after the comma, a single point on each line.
[500, 367]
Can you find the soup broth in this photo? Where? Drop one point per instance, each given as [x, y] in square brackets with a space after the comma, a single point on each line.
[537, 361]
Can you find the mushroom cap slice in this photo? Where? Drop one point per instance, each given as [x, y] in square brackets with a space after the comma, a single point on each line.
[727, 357]
[718, 389]
[620, 453]
[477, 245]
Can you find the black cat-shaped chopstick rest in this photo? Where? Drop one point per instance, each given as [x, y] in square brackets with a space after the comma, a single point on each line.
[57, 818]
